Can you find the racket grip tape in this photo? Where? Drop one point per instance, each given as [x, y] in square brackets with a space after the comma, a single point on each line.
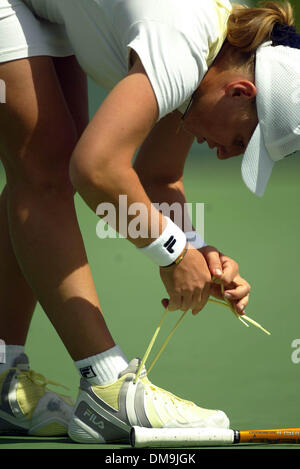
[141, 437]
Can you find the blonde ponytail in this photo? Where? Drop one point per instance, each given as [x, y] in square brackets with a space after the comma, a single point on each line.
[248, 28]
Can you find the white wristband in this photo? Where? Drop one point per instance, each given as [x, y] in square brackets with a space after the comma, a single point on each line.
[195, 239]
[168, 246]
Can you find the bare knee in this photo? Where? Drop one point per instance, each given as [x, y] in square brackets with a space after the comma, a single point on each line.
[43, 170]
[37, 134]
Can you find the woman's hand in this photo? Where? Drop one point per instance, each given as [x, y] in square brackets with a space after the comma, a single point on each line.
[226, 271]
[188, 283]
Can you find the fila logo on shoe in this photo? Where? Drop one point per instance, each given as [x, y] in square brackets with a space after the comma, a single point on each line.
[93, 418]
[169, 244]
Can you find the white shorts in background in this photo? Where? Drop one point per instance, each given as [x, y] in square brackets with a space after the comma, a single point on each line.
[23, 35]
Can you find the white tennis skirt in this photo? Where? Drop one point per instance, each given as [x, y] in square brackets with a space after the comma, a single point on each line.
[23, 35]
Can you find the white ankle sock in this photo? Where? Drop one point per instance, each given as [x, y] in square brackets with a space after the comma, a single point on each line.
[103, 368]
[11, 353]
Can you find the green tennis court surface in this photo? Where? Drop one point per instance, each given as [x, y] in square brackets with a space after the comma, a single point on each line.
[212, 359]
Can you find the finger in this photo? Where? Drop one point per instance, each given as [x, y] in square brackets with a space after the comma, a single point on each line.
[196, 301]
[237, 293]
[241, 305]
[238, 308]
[230, 269]
[175, 302]
[187, 301]
[200, 299]
[212, 257]
[216, 292]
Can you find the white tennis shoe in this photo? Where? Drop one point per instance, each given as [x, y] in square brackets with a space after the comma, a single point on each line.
[105, 414]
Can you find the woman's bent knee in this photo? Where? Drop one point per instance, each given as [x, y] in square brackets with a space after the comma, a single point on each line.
[42, 172]
[37, 133]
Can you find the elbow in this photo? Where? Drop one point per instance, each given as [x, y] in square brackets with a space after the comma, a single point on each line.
[97, 179]
[78, 173]
[88, 173]
[153, 176]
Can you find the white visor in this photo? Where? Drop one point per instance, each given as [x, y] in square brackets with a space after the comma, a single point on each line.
[277, 79]
[257, 165]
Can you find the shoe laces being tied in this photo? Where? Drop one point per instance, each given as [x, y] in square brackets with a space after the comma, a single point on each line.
[225, 303]
[37, 378]
[32, 386]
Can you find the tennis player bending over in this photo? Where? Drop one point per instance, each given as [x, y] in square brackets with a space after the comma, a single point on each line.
[177, 70]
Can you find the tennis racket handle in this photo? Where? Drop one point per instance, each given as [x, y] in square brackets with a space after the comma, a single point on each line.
[141, 437]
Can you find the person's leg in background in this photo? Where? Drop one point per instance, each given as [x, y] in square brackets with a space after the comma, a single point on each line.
[17, 300]
[44, 114]
[38, 136]
[43, 163]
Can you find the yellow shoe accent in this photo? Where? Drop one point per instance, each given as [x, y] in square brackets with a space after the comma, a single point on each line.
[52, 429]
[28, 406]
[110, 393]
[31, 388]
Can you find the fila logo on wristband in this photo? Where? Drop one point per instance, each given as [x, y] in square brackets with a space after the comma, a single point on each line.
[169, 244]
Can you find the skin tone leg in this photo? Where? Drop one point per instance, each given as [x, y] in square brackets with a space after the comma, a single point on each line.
[17, 299]
[37, 138]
